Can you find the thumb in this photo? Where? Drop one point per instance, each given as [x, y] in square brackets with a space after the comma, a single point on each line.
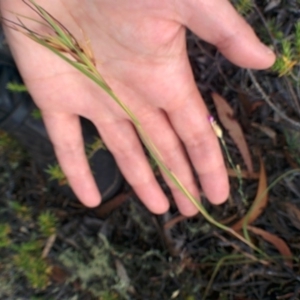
[218, 23]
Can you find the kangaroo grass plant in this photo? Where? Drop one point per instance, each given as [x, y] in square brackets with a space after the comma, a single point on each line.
[80, 56]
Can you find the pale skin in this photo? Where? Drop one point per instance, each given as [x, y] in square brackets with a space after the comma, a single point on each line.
[140, 50]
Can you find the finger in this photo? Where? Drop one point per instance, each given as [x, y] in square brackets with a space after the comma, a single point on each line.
[121, 139]
[65, 134]
[218, 23]
[202, 145]
[173, 155]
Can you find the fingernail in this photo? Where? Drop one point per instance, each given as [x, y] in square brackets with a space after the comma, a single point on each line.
[267, 49]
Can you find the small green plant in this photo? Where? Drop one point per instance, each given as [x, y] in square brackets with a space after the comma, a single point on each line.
[56, 173]
[243, 6]
[4, 139]
[286, 61]
[20, 88]
[11, 149]
[297, 41]
[23, 212]
[6, 142]
[28, 260]
[95, 146]
[4, 235]
[274, 29]
[98, 275]
[289, 56]
[36, 114]
[7, 279]
[47, 223]
[16, 87]
[109, 296]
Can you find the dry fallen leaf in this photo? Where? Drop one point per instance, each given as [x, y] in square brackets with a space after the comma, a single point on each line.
[225, 114]
[277, 242]
[259, 203]
[59, 274]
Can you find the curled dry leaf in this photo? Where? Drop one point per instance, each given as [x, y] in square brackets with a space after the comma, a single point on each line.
[277, 242]
[259, 203]
[225, 113]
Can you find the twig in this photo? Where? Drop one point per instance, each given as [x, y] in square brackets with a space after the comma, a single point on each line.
[237, 248]
[292, 93]
[246, 277]
[49, 244]
[266, 26]
[268, 100]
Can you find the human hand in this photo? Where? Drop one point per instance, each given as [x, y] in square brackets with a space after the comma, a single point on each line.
[140, 50]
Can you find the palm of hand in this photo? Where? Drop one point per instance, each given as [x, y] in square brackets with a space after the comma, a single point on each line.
[140, 51]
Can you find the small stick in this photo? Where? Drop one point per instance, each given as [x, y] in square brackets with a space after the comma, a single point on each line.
[268, 100]
[49, 245]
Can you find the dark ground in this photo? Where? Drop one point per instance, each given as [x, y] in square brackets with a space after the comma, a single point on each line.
[123, 251]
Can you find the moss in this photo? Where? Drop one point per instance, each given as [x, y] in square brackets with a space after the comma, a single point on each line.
[47, 223]
[28, 260]
[4, 235]
[97, 275]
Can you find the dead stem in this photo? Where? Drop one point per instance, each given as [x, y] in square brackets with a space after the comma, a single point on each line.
[268, 100]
